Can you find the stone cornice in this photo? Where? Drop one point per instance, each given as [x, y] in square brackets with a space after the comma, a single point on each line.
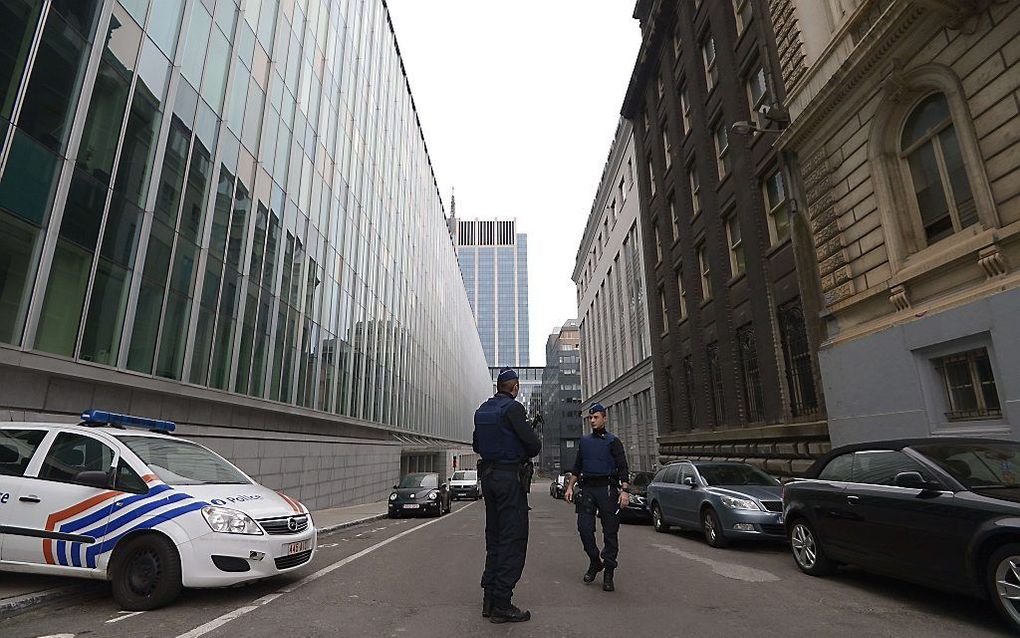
[650, 36]
[863, 64]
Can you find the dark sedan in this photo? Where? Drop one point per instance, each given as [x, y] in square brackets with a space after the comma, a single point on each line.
[419, 493]
[939, 512]
[638, 509]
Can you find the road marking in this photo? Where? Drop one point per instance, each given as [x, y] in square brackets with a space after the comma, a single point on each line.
[727, 570]
[125, 615]
[202, 630]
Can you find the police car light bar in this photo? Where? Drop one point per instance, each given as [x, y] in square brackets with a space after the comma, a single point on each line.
[99, 417]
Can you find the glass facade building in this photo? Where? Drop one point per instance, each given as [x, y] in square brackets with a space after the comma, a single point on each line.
[232, 195]
[493, 259]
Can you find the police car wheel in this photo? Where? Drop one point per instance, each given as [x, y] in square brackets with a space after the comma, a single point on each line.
[146, 573]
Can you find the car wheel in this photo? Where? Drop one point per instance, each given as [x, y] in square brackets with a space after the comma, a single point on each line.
[1002, 578]
[712, 526]
[657, 522]
[146, 573]
[807, 552]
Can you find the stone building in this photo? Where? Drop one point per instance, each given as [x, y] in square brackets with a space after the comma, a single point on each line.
[616, 362]
[731, 299]
[562, 424]
[906, 129]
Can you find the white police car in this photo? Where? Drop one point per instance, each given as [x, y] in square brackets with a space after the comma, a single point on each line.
[150, 512]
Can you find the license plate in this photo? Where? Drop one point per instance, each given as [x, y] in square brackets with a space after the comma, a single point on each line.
[297, 548]
[411, 506]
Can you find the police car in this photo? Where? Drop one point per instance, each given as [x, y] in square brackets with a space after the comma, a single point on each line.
[118, 498]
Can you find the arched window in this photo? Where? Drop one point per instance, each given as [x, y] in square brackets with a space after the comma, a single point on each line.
[931, 150]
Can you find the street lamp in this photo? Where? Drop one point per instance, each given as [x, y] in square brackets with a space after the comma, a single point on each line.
[744, 127]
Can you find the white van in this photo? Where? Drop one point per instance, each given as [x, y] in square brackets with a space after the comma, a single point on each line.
[465, 484]
[148, 511]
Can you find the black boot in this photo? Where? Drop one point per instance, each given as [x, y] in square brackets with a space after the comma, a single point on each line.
[508, 614]
[593, 568]
[607, 580]
[486, 607]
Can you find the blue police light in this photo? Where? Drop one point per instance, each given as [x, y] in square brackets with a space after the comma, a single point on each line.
[99, 417]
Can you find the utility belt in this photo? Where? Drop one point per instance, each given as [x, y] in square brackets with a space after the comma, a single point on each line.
[524, 471]
[598, 481]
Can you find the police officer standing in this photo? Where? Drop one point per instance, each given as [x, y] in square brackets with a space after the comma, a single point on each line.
[601, 467]
[505, 442]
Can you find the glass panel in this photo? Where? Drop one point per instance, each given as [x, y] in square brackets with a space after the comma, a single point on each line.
[197, 41]
[18, 260]
[80, 14]
[197, 193]
[178, 311]
[139, 146]
[214, 82]
[165, 24]
[244, 352]
[931, 198]
[26, 189]
[54, 85]
[153, 70]
[929, 114]
[74, 453]
[221, 213]
[171, 178]
[101, 338]
[965, 206]
[206, 317]
[18, 21]
[986, 378]
[960, 385]
[224, 339]
[83, 213]
[65, 298]
[137, 9]
[150, 298]
[109, 99]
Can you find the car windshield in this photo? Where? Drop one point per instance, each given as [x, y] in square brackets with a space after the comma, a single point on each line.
[640, 479]
[420, 480]
[977, 465]
[466, 475]
[731, 474]
[178, 462]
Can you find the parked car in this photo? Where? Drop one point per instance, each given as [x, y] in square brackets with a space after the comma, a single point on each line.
[725, 500]
[419, 493]
[117, 498]
[939, 512]
[638, 509]
[465, 484]
[559, 485]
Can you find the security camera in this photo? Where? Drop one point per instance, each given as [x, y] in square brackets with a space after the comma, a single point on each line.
[774, 112]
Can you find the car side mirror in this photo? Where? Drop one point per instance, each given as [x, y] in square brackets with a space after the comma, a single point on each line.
[689, 481]
[914, 480]
[94, 478]
[443, 486]
[394, 487]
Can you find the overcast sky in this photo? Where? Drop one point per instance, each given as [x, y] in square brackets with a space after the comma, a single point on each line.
[519, 101]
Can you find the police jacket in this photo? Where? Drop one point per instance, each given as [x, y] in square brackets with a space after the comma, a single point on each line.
[502, 433]
[600, 454]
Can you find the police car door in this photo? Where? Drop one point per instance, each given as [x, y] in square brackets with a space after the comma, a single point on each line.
[65, 504]
[17, 446]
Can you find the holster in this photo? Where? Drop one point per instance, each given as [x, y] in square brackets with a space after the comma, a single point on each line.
[584, 503]
[525, 474]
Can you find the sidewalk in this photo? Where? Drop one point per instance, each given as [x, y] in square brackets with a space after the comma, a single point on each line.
[20, 592]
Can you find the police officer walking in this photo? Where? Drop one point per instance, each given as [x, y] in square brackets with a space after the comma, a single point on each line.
[601, 468]
[505, 442]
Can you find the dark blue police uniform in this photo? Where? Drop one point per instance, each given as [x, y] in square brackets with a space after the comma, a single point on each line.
[601, 464]
[505, 442]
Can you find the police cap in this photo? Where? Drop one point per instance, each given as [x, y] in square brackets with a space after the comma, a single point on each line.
[506, 374]
[597, 407]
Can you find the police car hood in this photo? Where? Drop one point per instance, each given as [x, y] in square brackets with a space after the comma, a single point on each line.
[252, 499]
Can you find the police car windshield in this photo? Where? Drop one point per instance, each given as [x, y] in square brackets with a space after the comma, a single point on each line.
[420, 480]
[181, 463]
[466, 475]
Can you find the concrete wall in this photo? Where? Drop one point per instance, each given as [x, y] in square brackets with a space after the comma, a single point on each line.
[884, 385]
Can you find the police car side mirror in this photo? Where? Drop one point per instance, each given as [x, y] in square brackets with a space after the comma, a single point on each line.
[93, 478]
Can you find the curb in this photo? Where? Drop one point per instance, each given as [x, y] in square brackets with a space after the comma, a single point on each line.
[329, 529]
[10, 607]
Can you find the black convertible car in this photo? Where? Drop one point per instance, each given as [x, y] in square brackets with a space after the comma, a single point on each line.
[941, 512]
[638, 508]
[419, 493]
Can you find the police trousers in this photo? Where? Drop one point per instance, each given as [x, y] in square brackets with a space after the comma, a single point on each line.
[506, 533]
[602, 501]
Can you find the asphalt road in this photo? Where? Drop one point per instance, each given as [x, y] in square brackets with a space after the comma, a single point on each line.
[415, 577]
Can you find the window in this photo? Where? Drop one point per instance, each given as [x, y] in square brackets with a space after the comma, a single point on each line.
[754, 402]
[711, 68]
[682, 292]
[612, 211]
[688, 380]
[659, 89]
[838, 469]
[757, 90]
[778, 208]
[651, 177]
[797, 357]
[722, 148]
[715, 381]
[128, 480]
[692, 175]
[742, 11]
[658, 243]
[621, 190]
[16, 450]
[969, 384]
[662, 306]
[665, 146]
[74, 453]
[677, 39]
[685, 109]
[939, 178]
[737, 265]
[706, 279]
[671, 474]
[880, 467]
[673, 218]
